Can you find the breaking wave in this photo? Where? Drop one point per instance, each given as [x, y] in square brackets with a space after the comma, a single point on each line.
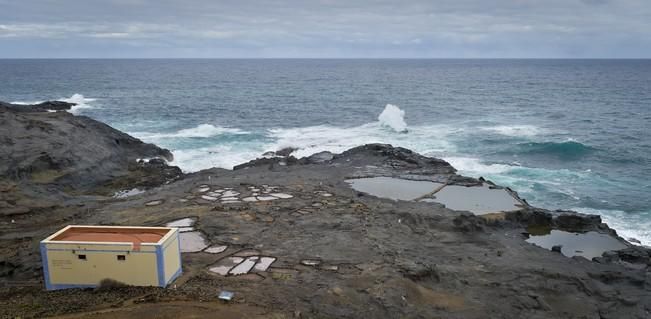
[394, 118]
[26, 102]
[314, 139]
[200, 131]
[222, 156]
[474, 166]
[80, 101]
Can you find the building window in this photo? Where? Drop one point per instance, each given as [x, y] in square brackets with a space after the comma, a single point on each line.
[122, 257]
[82, 257]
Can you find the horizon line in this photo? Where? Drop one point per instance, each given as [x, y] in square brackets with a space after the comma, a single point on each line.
[325, 58]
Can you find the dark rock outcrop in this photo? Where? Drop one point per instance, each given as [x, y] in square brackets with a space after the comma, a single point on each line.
[387, 159]
[73, 153]
[397, 159]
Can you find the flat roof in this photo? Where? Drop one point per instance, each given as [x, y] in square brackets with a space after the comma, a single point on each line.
[110, 234]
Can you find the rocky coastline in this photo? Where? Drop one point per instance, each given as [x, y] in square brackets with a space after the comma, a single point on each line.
[333, 251]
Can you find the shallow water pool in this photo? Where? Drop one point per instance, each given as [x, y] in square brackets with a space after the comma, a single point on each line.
[588, 245]
[476, 199]
[393, 188]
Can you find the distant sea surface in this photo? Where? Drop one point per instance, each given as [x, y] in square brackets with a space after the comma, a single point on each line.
[570, 134]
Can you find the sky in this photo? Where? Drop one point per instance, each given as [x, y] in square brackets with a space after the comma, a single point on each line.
[325, 29]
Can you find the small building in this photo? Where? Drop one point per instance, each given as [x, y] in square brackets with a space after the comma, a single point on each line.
[82, 256]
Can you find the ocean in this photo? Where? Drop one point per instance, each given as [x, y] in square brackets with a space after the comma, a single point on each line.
[565, 134]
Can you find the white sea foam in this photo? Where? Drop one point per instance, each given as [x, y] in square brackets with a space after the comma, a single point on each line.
[474, 166]
[314, 139]
[222, 156]
[429, 140]
[515, 130]
[200, 131]
[636, 226]
[26, 102]
[80, 101]
[393, 117]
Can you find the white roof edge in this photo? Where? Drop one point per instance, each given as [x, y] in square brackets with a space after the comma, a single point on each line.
[49, 240]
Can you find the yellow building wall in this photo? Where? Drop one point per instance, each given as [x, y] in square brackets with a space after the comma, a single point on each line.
[171, 257]
[65, 268]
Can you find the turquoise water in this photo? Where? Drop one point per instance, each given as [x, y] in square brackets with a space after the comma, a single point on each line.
[563, 133]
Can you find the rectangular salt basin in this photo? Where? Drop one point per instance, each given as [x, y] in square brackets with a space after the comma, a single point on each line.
[245, 266]
[192, 242]
[223, 266]
[393, 188]
[264, 263]
[476, 199]
[588, 245]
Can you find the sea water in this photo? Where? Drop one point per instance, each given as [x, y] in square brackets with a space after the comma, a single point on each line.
[572, 134]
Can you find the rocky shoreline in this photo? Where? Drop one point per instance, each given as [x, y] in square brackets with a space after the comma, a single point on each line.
[337, 252]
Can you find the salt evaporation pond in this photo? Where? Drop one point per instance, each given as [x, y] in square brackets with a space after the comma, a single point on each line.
[184, 224]
[393, 188]
[477, 199]
[192, 242]
[588, 245]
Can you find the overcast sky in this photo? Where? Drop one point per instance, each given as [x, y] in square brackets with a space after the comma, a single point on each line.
[326, 28]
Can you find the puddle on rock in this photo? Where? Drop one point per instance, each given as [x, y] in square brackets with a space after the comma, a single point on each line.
[192, 242]
[210, 198]
[393, 188]
[310, 262]
[154, 202]
[128, 193]
[476, 199]
[281, 195]
[216, 249]
[589, 245]
[203, 189]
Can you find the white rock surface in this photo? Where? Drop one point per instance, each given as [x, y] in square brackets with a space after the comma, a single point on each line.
[264, 263]
[192, 242]
[230, 194]
[226, 264]
[215, 249]
[183, 222]
[281, 195]
[245, 266]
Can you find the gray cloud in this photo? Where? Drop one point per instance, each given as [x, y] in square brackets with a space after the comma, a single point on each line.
[326, 28]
